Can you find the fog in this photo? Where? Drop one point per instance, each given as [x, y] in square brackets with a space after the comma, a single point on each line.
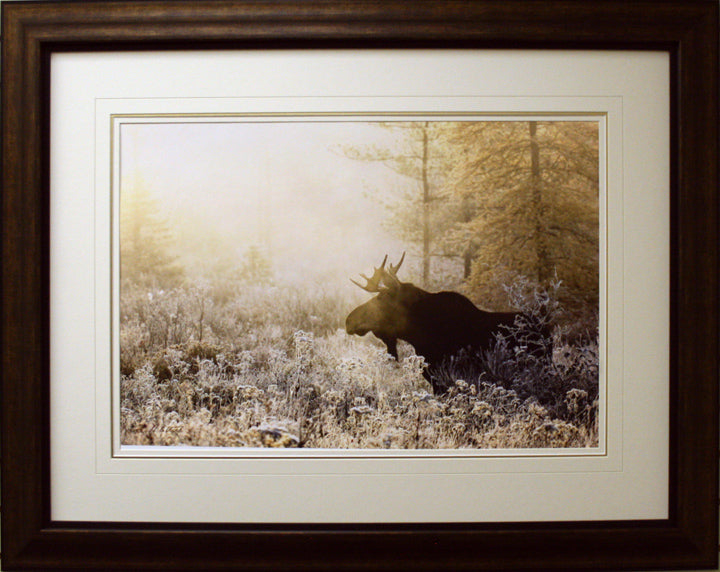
[283, 186]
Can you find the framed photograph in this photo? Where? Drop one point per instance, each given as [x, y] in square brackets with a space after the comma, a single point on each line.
[253, 325]
[329, 285]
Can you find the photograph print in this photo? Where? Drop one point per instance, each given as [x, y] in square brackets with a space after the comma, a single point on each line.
[358, 283]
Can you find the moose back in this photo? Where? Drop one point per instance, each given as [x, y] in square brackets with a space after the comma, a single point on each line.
[440, 326]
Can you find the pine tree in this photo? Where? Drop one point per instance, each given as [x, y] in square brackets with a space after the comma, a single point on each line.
[528, 196]
[256, 267]
[416, 213]
[503, 198]
[145, 240]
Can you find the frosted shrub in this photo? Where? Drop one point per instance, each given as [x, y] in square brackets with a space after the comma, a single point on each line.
[537, 361]
[266, 367]
[304, 343]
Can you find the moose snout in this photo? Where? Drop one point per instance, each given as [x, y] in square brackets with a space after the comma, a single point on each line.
[353, 325]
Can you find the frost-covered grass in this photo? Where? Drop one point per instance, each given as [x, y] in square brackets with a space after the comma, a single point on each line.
[273, 367]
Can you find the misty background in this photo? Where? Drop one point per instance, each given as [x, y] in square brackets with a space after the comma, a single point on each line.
[307, 204]
[284, 191]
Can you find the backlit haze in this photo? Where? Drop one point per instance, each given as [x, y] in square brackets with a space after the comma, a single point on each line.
[285, 187]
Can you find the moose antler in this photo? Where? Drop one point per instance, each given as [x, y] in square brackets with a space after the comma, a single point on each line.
[381, 275]
[395, 267]
[373, 283]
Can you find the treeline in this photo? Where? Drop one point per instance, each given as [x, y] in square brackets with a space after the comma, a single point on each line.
[486, 203]
[490, 201]
[155, 255]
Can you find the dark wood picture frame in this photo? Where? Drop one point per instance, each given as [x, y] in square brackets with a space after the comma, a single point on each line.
[686, 29]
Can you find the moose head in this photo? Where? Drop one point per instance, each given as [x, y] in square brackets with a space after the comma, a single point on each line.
[387, 314]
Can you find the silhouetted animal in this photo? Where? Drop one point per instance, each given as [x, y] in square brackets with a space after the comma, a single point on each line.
[440, 326]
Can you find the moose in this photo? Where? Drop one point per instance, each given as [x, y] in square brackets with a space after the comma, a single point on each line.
[441, 326]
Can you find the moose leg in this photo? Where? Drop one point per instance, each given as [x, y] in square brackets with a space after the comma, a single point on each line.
[391, 344]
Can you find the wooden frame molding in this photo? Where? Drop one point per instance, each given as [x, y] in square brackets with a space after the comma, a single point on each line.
[31, 32]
